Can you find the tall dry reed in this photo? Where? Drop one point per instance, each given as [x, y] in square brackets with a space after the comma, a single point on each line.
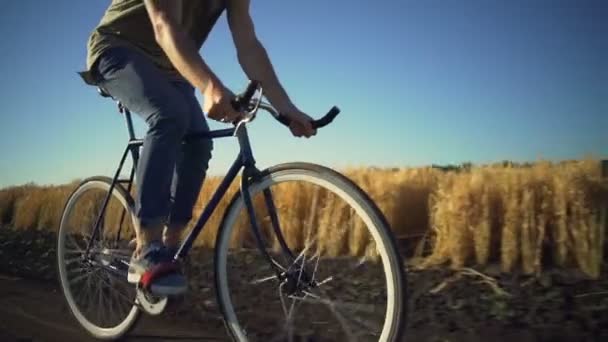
[524, 218]
[521, 216]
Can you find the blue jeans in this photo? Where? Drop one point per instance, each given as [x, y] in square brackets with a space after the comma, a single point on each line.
[170, 173]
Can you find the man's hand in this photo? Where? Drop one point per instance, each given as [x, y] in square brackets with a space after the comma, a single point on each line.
[217, 103]
[301, 124]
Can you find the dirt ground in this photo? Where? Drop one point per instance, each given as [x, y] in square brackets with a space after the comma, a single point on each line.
[444, 305]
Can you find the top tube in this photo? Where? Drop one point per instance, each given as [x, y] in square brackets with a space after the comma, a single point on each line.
[227, 132]
[215, 134]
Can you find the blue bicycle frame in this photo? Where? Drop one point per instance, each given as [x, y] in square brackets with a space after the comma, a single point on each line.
[244, 161]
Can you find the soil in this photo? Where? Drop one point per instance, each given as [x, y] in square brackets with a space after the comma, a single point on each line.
[444, 304]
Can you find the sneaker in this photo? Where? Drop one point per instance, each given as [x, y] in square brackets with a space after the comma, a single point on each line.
[153, 270]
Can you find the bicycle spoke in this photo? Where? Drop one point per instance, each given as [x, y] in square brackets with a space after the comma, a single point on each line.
[335, 308]
[312, 212]
[101, 308]
[90, 293]
[71, 251]
[120, 304]
[127, 304]
[117, 287]
[83, 292]
[124, 296]
[326, 280]
[369, 328]
[119, 253]
[342, 320]
[262, 280]
[75, 243]
[111, 300]
[102, 301]
[302, 267]
[93, 299]
[302, 255]
[289, 313]
[78, 269]
[318, 256]
[119, 275]
[72, 260]
[282, 298]
[366, 308]
[80, 277]
[115, 294]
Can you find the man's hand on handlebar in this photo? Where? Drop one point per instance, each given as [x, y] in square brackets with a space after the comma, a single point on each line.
[222, 105]
[301, 124]
[217, 104]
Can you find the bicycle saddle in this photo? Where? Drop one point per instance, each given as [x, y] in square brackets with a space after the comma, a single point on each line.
[103, 92]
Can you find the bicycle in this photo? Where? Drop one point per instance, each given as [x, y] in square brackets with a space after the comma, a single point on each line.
[299, 274]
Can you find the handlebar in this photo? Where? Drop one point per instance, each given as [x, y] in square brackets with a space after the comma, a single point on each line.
[322, 122]
[243, 102]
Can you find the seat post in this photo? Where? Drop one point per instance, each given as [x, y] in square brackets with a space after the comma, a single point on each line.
[127, 114]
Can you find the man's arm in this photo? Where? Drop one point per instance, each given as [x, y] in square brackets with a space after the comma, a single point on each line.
[165, 16]
[254, 59]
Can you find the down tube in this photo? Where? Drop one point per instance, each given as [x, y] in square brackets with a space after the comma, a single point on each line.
[210, 208]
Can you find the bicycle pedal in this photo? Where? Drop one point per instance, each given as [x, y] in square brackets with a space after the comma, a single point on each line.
[156, 272]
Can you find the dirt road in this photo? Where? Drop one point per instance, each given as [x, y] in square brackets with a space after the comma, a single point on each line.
[445, 305]
[35, 311]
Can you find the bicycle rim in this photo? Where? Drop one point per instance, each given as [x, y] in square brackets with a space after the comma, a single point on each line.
[95, 288]
[332, 228]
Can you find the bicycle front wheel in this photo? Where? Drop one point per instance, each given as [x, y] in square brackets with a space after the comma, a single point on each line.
[335, 273]
[95, 284]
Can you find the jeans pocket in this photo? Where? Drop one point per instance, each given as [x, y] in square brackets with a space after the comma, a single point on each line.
[111, 61]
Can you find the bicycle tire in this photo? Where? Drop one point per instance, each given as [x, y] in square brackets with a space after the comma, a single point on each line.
[394, 324]
[124, 199]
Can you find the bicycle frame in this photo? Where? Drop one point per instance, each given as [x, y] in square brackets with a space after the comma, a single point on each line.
[244, 161]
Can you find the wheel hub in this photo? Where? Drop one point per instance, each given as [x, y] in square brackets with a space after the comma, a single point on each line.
[295, 282]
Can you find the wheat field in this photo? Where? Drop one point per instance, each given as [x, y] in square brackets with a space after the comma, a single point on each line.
[523, 217]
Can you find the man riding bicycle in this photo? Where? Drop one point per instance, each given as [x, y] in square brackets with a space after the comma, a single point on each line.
[144, 53]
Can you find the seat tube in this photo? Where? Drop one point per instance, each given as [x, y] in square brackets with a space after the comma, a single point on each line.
[127, 114]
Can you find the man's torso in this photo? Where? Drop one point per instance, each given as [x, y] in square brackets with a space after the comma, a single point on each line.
[126, 23]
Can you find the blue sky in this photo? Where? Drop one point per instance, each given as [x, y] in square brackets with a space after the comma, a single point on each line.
[418, 82]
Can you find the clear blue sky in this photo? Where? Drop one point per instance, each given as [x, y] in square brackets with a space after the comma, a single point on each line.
[419, 82]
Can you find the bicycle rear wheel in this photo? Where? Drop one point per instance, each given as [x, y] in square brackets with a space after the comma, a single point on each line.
[341, 277]
[95, 286]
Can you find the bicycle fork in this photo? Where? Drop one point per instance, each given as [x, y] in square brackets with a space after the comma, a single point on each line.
[283, 275]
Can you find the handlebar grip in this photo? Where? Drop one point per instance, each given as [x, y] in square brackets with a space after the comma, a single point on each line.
[241, 101]
[322, 122]
[327, 119]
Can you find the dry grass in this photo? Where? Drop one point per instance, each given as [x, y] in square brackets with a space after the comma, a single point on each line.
[32, 207]
[523, 218]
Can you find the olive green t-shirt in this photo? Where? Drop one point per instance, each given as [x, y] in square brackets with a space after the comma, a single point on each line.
[126, 23]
